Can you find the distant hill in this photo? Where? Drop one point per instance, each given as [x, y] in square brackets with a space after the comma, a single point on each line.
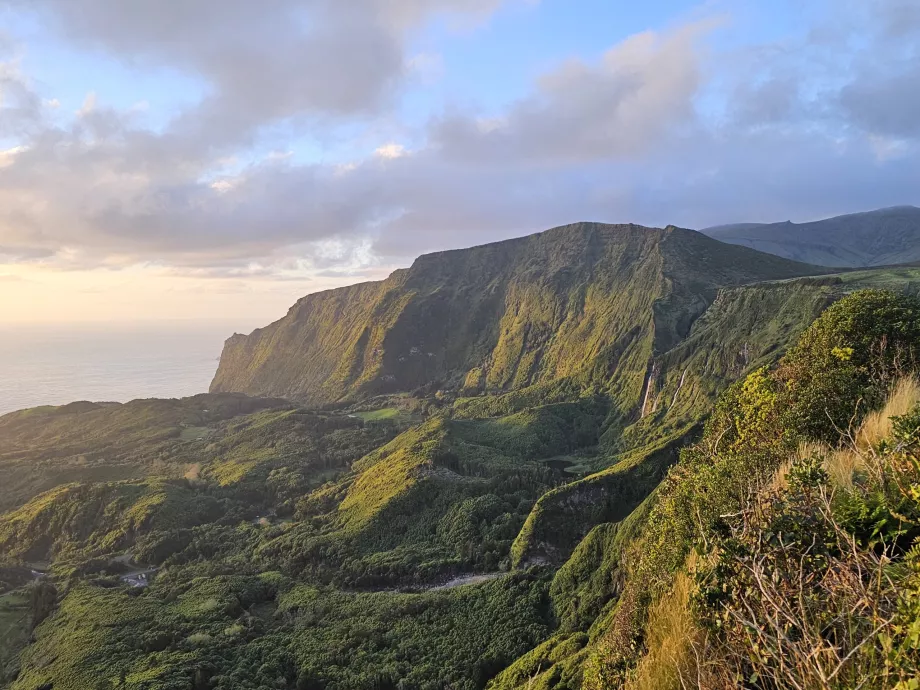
[587, 303]
[877, 238]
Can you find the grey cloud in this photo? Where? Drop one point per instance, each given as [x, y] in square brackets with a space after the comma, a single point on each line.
[774, 100]
[24, 253]
[263, 61]
[20, 107]
[886, 104]
[620, 140]
[855, 73]
[899, 17]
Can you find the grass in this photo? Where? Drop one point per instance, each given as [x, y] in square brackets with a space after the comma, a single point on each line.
[877, 426]
[842, 463]
[384, 415]
[14, 628]
[195, 433]
[890, 278]
[670, 633]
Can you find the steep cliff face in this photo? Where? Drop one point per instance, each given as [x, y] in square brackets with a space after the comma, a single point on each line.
[587, 302]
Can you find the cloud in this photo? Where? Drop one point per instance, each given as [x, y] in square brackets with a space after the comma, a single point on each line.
[262, 62]
[428, 68]
[659, 129]
[632, 100]
[20, 107]
[391, 151]
[885, 103]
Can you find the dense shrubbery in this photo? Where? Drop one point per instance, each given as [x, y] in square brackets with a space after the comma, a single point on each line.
[264, 632]
[846, 361]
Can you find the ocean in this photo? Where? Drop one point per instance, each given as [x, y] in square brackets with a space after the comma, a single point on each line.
[54, 365]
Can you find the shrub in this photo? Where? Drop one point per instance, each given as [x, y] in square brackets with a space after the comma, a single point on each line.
[817, 585]
[846, 361]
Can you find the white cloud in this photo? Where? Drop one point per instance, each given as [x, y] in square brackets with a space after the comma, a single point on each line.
[887, 148]
[89, 105]
[391, 151]
[222, 186]
[8, 156]
[634, 99]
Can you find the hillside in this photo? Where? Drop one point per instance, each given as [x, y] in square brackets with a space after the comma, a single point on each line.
[509, 512]
[523, 549]
[588, 303]
[877, 238]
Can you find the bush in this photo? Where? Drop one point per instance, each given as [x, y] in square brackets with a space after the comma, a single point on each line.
[817, 585]
[846, 361]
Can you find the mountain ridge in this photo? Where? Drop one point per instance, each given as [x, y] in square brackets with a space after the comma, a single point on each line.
[884, 237]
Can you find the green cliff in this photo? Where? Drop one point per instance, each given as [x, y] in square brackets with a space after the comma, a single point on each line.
[586, 302]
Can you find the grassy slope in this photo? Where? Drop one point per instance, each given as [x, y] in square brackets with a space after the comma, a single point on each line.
[443, 497]
[250, 464]
[15, 627]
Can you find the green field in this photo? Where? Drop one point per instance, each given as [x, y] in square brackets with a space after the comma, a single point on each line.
[384, 415]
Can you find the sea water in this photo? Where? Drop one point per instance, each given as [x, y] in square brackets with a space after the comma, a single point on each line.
[55, 365]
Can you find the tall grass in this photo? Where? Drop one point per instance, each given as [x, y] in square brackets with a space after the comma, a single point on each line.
[841, 464]
[669, 637]
[877, 426]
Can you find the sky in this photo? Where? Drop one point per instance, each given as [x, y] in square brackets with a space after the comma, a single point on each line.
[195, 159]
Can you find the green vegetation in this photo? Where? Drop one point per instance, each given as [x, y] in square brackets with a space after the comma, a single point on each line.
[387, 413]
[252, 632]
[741, 469]
[85, 442]
[15, 626]
[613, 424]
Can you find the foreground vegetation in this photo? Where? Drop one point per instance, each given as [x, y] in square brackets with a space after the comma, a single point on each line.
[780, 551]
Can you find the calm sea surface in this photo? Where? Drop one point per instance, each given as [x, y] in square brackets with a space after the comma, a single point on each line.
[44, 365]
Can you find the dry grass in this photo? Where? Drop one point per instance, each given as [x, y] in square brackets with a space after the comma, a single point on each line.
[780, 480]
[669, 636]
[680, 655]
[843, 463]
[877, 426]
